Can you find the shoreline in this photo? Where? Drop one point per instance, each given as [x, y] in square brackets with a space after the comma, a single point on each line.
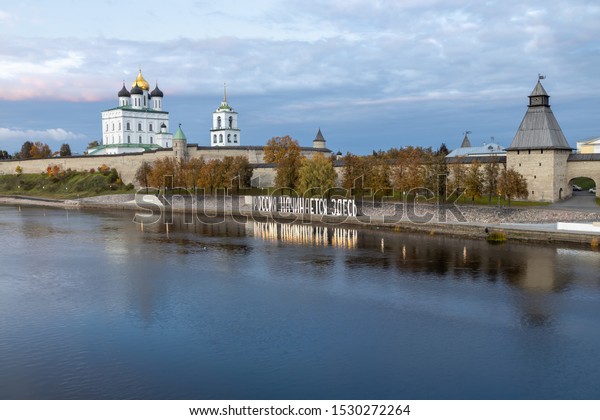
[533, 225]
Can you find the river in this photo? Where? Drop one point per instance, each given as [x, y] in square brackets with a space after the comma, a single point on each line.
[93, 306]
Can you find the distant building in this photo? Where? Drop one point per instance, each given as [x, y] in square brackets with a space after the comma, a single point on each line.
[466, 150]
[137, 124]
[225, 131]
[589, 146]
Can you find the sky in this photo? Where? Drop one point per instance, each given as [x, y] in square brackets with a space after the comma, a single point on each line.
[371, 74]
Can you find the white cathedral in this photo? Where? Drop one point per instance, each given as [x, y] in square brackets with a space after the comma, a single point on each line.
[139, 123]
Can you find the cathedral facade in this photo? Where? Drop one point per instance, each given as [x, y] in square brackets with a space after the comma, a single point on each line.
[137, 124]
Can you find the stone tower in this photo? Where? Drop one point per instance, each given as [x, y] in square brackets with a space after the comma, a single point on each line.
[180, 145]
[539, 150]
[319, 141]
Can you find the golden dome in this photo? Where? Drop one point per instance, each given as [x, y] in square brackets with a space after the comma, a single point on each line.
[141, 82]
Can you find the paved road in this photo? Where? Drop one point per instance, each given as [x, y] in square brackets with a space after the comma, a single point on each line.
[581, 200]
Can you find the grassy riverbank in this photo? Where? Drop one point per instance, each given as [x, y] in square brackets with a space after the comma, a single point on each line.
[64, 185]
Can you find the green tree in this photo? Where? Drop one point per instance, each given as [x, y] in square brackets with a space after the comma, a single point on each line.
[491, 176]
[93, 144]
[284, 152]
[316, 174]
[474, 181]
[26, 150]
[5, 155]
[512, 184]
[65, 150]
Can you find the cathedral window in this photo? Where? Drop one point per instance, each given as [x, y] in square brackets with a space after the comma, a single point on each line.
[140, 139]
[230, 122]
[113, 126]
[119, 126]
[151, 139]
[228, 138]
[128, 139]
[139, 126]
[150, 128]
[218, 122]
[220, 138]
[235, 138]
[128, 126]
[106, 127]
[214, 138]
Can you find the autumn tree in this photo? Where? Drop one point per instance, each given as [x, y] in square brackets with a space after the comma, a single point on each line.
[284, 152]
[65, 150]
[39, 150]
[353, 174]
[512, 184]
[212, 176]
[163, 174]
[437, 170]
[189, 171]
[458, 175]
[474, 181]
[143, 173]
[317, 174]
[237, 172]
[408, 171]
[378, 174]
[93, 144]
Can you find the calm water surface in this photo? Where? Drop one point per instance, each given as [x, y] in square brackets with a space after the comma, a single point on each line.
[93, 307]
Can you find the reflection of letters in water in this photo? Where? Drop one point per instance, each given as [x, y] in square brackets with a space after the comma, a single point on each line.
[306, 234]
[301, 205]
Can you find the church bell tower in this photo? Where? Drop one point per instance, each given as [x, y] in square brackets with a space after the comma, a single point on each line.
[225, 131]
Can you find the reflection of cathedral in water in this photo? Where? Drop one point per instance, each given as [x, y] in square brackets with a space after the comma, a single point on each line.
[306, 234]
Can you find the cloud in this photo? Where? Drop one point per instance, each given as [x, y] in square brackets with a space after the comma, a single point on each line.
[52, 134]
[5, 16]
[342, 60]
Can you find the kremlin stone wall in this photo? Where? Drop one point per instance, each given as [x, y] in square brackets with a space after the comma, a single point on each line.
[127, 164]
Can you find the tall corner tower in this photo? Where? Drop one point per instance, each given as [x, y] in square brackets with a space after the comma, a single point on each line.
[180, 145]
[539, 150]
[225, 131]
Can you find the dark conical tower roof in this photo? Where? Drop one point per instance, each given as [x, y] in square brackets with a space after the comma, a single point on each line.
[466, 142]
[539, 128]
[319, 136]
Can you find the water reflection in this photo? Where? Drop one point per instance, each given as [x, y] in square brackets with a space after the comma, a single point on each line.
[97, 307]
[312, 235]
[535, 268]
